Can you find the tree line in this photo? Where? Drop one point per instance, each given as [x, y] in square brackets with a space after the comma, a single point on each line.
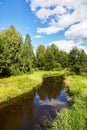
[17, 55]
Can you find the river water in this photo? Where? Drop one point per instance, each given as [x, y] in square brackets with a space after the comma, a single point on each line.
[36, 109]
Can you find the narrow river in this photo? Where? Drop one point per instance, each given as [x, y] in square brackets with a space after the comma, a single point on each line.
[36, 109]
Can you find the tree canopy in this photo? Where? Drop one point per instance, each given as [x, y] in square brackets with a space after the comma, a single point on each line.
[14, 54]
[17, 55]
[77, 60]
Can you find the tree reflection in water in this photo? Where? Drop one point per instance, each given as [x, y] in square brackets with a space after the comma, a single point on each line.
[31, 111]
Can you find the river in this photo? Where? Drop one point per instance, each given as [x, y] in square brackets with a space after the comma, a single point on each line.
[36, 109]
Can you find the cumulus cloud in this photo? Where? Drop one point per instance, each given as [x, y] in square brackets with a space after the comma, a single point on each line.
[64, 12]
[37, 36]
[49, 30]
[67, 45]
[50, 3]
[59, 15]
[45, 13]
[78, 32]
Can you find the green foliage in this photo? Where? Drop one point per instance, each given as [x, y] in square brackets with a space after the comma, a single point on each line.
[51, 58]
[77, 60]
[26, 56]
[63, 59]
[76, 117]
[11, 41]
[54, 58]
[4, 59]
[61, 122]
[40, 57]
[16, 57]
[17, 85]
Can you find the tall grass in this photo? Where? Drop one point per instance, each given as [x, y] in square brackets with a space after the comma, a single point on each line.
[18, 85]
[76, 118]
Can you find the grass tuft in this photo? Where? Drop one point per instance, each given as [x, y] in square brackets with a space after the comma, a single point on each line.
[76, 118]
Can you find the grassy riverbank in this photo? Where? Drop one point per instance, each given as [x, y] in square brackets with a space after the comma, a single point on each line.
[73, 119]
[18, 85]
[76, 118]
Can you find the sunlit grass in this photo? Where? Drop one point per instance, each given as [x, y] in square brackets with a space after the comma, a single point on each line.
[17, 85]
[76, 118]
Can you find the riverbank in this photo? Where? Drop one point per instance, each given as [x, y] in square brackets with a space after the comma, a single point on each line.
[17, 85]
[73, 119]
[76, 118]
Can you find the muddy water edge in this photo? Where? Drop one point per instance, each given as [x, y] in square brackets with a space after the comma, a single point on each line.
[36, 109]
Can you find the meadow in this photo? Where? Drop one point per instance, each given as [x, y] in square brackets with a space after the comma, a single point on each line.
[17, 85]
[76, 117]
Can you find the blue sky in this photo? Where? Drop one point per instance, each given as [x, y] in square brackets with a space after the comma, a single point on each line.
[63, 23]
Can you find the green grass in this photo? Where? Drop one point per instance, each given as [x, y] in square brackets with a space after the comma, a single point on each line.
[76, 117]
[18, 85]
[73, 119]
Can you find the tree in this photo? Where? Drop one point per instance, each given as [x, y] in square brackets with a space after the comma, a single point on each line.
[83, 61]
[77, 60]
[63, 59]
[26, 55]
[12, 42]
[15, 56]
[53, 57]
[4, 59]
[40, 57]
[49, 59]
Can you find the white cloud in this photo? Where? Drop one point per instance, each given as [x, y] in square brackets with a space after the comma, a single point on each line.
[40, 3]
[78, 32]
[65, 45]
[45, 13]
[58, 15]
[49, 30]
[50, 3]
[37, 36]
[64, 12]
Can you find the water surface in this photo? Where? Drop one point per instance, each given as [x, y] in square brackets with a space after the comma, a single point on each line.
[36, 109]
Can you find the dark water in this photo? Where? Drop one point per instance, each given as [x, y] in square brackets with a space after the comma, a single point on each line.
[36, 109]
